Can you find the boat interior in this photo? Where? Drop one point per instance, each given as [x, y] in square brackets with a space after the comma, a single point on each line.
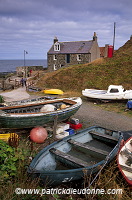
[39, 99]
[33, 108]
[83, 150]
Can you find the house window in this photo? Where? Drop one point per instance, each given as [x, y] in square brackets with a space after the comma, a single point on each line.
[61, 65]
[78, 57]
[68, 58]
[55, 57]
[55, 67]
[56, 46]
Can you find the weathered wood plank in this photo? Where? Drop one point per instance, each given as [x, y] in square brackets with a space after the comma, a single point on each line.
[104, 135]
[88, 147]
[68, 157]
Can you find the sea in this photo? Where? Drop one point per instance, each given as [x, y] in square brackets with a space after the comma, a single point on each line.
[10, 65]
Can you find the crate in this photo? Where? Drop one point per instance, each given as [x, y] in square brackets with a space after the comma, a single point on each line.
[75, 126]
[70, 131]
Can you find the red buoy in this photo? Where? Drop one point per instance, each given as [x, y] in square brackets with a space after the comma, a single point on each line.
[38, 134]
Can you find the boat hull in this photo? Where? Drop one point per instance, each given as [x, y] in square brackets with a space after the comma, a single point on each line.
[124, 161]
[39, 119]
[103, 95]
[58, 176]
[53, 91]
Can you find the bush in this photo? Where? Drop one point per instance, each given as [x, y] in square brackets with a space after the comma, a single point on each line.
[11, 160]
[1, 99]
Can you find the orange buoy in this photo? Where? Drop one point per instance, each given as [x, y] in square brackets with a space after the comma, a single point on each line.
[38, 134]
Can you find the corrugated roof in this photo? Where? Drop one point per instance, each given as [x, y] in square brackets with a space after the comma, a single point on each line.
[72, 47]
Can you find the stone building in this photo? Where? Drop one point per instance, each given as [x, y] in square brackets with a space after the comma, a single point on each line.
[63, 54]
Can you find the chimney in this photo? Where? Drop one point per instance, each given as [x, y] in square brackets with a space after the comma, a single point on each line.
[55, 39]
[95, 37]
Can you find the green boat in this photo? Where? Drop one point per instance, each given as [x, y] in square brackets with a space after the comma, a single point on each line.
[31, 115]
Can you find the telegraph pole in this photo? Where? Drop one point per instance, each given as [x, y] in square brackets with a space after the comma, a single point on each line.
[114, 37]
[25, 52]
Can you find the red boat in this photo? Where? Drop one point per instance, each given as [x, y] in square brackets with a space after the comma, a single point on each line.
[124, 160]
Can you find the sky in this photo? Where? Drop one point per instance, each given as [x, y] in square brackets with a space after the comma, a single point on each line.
[31, 25]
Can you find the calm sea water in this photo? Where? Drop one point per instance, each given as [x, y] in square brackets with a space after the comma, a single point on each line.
[10, 65]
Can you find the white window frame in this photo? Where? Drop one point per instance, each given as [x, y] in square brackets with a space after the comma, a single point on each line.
[55, 57]
[78, 57]
[56, 46]
[55, 67]
[61, 65]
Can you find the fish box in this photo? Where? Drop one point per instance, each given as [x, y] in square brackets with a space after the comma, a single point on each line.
[75, 126]
[70, 131]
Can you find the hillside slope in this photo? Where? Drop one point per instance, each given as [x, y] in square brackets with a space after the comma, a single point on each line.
[98, 74]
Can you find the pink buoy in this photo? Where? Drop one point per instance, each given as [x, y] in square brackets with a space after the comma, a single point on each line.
[38, 134]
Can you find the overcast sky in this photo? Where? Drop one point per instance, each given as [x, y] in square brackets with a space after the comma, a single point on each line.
[31, 25]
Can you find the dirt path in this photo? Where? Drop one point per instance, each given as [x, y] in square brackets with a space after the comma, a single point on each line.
[15, 95]
[90, 115]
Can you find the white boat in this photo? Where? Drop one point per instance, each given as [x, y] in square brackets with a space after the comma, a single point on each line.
[124, 160]
[114, 92]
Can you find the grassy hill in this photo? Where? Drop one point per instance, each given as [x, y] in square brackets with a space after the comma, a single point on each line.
[99, 74]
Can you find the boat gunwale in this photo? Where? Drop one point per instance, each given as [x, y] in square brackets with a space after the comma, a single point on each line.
[56, 112]
[72, 102]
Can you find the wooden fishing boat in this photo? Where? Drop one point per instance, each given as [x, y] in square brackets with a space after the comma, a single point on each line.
[27, 101]
[53, 91]
[124, 160]
[69, 158]
[31, 115]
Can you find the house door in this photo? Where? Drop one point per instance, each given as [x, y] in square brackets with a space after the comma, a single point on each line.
[68, 58]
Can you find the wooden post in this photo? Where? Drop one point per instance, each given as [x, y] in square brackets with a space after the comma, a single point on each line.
[55, 126]
[3, 84]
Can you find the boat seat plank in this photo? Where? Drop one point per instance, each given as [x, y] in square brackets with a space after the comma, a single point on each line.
[128, 169]
[88, 147]
[104, 135]
[68, 157]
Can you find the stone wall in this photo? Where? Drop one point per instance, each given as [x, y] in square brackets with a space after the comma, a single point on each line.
[61, 60]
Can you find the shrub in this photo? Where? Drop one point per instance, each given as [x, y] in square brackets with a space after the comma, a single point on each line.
[1, 99]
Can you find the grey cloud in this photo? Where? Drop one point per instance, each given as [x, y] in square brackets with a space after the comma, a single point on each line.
[33, 24]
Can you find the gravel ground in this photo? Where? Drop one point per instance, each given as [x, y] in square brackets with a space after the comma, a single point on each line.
[90, 115]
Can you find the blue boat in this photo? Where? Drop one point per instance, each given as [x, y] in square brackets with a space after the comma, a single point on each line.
[67, 159]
